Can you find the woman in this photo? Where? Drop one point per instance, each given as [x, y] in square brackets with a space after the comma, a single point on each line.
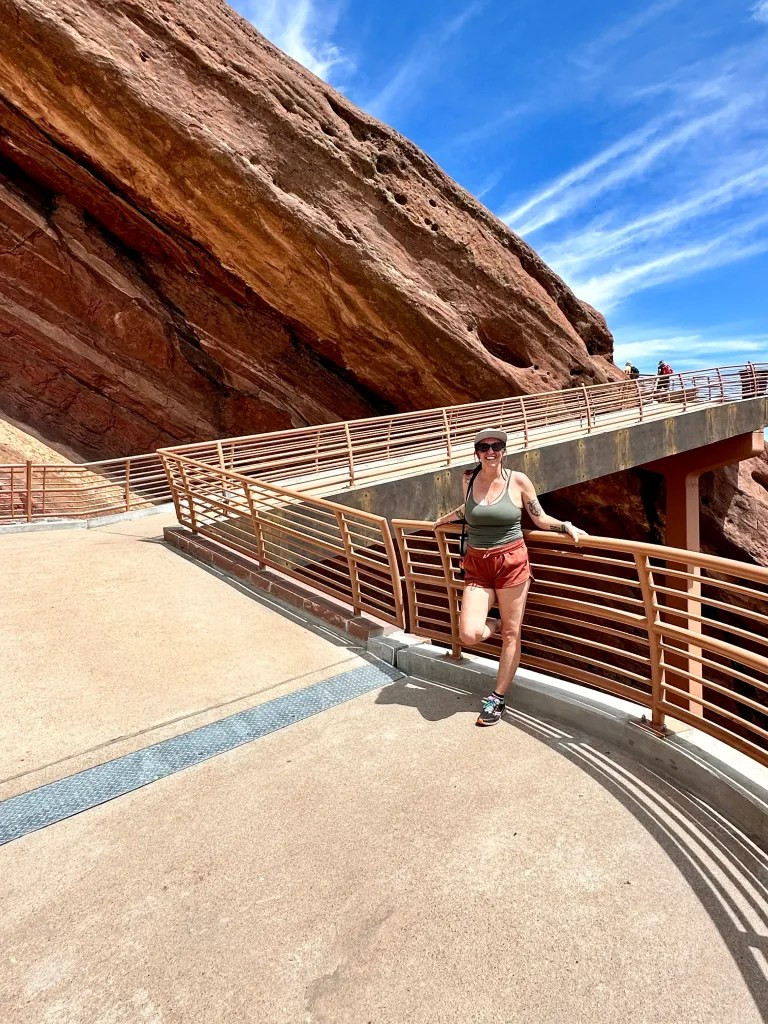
[496, 567]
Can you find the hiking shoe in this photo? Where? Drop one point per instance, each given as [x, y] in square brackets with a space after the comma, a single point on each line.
[493, 709]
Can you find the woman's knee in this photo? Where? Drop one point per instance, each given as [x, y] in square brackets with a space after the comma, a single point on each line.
[510, 633]
[470, 634]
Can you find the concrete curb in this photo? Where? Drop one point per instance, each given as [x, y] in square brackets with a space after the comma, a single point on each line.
[85, 524]
[731, 782]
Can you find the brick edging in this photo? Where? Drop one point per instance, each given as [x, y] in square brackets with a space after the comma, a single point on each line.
[216, 555]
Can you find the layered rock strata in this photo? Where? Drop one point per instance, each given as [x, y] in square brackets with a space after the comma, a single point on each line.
[200, 238]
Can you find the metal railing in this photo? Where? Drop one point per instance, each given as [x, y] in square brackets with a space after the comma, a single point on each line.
[31, 492]
[336, 550]
[682, 633]
[330, 457]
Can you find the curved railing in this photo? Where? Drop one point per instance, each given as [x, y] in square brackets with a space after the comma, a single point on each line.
[329, 457]
[682, 633]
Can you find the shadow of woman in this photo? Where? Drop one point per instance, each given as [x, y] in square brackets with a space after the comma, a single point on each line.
[433, 701]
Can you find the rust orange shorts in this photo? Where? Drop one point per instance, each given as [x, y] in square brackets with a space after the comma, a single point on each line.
[497, 568]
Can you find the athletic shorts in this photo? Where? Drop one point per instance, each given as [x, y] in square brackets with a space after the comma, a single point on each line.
[497, 568]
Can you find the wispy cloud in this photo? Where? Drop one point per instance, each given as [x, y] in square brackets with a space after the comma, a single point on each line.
[420, 62]
[689, 350]
[621, 31]
[629, 158]
[607, 289]
[583, 248]
[683, 192]
[760, 11]
[302, 29]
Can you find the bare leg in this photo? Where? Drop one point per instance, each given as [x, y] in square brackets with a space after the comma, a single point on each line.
[474, 626]
[511, 605]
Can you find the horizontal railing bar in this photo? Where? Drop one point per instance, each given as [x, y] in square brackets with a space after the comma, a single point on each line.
[711, 706]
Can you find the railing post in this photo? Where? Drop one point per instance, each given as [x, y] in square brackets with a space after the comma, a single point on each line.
[188, 492]
[452, 591]
[28, 503]
[257, 528]
[753, 374]
[722, 385]
[588, 408]
[350, 455]
[525, 420]
[656, 724]
[683, 389]
[447, 435]
[639, 398]
[347, 542]
[127, 485]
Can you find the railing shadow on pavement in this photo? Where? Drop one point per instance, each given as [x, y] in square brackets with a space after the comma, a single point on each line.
[723, 867]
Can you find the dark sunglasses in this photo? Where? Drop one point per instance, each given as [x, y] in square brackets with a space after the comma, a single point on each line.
[497, 446]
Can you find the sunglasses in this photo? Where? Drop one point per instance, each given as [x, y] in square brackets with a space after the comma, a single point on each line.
[497, 446]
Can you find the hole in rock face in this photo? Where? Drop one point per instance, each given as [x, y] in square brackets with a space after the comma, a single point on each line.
[435, 227]
[385, 164]
[504, 339]
[143, 55]
[433, 202]
[253, 159]
[535, 366]
[401, 198]
[327, 130]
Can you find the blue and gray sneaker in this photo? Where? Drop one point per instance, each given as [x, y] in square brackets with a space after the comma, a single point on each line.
[493, 709]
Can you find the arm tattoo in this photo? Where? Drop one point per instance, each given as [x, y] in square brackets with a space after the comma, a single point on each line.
[534, 507]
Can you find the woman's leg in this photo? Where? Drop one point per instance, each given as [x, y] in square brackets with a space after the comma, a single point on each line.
[511, 605]
[476, 602]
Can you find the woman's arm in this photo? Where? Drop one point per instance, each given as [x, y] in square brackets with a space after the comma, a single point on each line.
[540, 517]
[454, 516]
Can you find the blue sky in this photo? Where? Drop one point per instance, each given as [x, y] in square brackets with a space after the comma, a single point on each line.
[626, 141]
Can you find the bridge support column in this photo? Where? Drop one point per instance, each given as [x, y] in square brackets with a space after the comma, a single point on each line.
[681, 475]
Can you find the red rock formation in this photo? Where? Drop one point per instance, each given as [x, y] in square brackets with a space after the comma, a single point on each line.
[198, 238]
[734, 508]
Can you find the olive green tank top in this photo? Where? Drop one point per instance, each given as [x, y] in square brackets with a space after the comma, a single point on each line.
[492, 525]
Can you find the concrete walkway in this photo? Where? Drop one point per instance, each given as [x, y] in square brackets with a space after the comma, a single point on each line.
[383, 861]
[112, 641]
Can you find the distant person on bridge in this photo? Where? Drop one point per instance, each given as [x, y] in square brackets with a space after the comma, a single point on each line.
[664, 372]
[496, 566]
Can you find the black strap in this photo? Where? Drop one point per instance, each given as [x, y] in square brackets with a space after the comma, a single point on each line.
[477, 469]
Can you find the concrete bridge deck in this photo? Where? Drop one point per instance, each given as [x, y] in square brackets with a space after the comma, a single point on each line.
[381, 860]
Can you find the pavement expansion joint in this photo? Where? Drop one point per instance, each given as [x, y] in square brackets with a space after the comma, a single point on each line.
[66, 797]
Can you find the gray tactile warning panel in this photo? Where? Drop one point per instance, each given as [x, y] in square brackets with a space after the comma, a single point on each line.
[58, 800]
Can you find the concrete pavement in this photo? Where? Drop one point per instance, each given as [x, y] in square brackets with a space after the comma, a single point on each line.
[383, 861]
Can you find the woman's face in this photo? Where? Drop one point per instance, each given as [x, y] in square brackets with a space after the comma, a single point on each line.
[490, 451]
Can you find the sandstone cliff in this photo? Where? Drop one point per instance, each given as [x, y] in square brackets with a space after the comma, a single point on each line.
[199, 238]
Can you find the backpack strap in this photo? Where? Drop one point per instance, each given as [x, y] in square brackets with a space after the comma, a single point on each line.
[463, 539]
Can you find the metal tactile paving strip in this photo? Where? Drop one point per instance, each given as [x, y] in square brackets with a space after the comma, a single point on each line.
[58, 800]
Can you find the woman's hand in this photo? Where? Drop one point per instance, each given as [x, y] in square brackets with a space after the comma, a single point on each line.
[574, 532]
